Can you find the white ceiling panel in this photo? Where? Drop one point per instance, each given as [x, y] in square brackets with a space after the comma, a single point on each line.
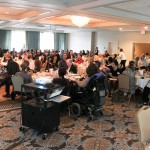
[103, 14]
[60, 2]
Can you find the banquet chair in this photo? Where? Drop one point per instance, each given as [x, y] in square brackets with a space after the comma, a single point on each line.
[17, 81]
[143, 122]
[124, 85]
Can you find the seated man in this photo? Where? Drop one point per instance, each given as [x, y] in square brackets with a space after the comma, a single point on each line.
[24, 74]
[12, 68]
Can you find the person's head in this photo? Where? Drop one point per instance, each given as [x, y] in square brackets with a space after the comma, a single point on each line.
[7, 56]
[91, 69]
[114, 64]
[69, 62]
[97, 63]
[142, 57]
[115, 56]
[30, 55]
[38, 51]
[38, 64]
[147, 54]
[71, 52]
[25, 52]
[121, 50]
[132, 65]
[26, 62]
[79, 56]
[23, 66]
[110, 60]
[61, 72]
[18, 55]
[43, 58]
[64, 56]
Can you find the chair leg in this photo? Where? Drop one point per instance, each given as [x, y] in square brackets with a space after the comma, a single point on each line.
[129, 98]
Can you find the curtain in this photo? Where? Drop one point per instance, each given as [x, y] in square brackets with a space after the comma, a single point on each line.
[60, 41]
[33, 39]
[5, 39]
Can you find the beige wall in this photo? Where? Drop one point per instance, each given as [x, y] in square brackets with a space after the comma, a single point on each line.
[79, 41]
[82, 40]
[125, 40]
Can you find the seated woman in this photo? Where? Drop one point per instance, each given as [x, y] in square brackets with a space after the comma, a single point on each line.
[91, 70]
[61, 80]
[79, 59]
[79, 85]
[38, 65]
[113, 76]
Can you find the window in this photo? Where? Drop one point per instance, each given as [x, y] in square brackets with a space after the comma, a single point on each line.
[46, 40]
[18, 40]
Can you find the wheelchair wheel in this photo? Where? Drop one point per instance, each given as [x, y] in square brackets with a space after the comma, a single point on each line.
[76, 109]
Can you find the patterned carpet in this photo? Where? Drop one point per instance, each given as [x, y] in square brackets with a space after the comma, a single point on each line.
[117, 130]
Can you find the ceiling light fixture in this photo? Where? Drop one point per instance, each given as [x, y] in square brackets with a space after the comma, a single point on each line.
[145, 27]
[120, 29]
[80, 21]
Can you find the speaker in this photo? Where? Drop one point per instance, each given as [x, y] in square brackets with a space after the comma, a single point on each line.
[36, 116]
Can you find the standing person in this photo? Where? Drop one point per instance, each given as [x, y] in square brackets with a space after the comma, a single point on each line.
[96, 51]
[123, 58]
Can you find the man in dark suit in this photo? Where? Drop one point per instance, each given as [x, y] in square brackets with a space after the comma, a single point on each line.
[12, 68]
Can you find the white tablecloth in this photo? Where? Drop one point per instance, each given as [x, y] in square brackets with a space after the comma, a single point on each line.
[142, 82]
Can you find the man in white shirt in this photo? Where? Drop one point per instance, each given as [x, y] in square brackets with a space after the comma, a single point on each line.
[122, 57]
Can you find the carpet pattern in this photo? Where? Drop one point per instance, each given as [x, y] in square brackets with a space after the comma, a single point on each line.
[116, 130]
[10, 105]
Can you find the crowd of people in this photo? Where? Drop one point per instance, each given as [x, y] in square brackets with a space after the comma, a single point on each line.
[36, 61]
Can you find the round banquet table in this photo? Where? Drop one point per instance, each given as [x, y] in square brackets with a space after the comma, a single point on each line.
[142, 82]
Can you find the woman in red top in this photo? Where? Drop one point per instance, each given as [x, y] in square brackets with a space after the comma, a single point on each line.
[79, 59]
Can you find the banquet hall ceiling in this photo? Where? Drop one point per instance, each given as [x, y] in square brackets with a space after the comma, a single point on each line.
[55, 15]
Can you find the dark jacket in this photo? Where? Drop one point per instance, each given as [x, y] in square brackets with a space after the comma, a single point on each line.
[12, 67]
[62, 64]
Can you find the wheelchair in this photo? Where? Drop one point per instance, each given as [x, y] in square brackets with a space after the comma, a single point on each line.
[89, 100]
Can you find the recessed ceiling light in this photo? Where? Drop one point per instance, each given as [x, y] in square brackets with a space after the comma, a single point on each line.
[145, 27]
[120, 29]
